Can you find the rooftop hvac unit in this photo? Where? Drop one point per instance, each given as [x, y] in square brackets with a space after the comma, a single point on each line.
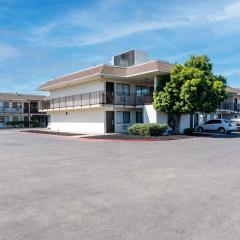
[131, 58]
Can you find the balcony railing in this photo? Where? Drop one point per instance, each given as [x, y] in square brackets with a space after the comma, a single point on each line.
[11, 110]
[97, 98]
[229, 106]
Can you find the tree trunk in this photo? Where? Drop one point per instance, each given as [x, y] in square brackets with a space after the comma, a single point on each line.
[174, 122]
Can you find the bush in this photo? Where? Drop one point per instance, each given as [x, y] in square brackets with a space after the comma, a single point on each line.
[139, 129]
[22, 124]
[156, 129]
[147, 129]
[188, 131]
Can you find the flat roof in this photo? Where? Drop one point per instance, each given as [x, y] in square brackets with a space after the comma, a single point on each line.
[109, 70]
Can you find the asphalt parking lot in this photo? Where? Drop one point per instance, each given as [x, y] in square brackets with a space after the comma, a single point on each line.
[55, 187]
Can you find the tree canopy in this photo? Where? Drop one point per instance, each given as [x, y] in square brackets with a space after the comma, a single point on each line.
[191, 87]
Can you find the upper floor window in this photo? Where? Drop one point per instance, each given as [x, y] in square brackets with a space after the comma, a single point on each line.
[17, 105]
[143, 90]
[5, 104]
[123, 89]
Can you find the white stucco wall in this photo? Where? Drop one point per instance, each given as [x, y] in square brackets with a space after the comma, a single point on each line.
[150, 115]
[162, 117]
[93, 86]
[184, 122]
[79, 121]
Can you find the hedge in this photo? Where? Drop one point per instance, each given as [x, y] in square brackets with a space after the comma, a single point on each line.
[188, 131]
[147, 129]
[22, 124]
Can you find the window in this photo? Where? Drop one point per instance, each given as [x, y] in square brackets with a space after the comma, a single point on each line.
[1, 119]
[5, 104]
[123, 89]
[123, 117]
[15, 118]
[141, 90]
[17, 105]
[213, 122]
[139, 117]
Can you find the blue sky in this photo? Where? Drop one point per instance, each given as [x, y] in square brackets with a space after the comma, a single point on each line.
[43, 39]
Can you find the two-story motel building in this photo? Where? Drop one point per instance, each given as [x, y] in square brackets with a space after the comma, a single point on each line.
[21, 107]
[109, 98]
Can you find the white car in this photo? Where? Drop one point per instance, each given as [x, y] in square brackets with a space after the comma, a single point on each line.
[236, 120]
[219, 125]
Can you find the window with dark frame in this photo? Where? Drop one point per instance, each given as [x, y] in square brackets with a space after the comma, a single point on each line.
[5, 104]
[139, 117]
[123, 117]
[142, 90]
[17, 105]
[123, 89]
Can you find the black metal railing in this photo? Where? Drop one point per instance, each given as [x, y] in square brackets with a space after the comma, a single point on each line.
[11, 110]
[229, 106]
[97, 98]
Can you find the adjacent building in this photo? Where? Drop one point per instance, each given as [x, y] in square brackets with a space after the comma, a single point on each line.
[15, 107]
[109, 98]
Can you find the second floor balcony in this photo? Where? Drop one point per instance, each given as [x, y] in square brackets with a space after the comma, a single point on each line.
[229, 106]
[11, 110]
[98, 98]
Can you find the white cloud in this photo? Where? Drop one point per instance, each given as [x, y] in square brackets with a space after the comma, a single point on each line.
[106, 22]
[8, 52]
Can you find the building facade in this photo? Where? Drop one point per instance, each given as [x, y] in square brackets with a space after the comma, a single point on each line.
[21, 108]
[109, 98]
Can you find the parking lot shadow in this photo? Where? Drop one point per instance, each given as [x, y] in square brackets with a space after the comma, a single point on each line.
[218, 135]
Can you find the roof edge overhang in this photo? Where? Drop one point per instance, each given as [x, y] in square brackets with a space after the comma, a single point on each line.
[155, 70]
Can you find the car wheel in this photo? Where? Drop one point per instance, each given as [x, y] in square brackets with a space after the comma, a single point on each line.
[200, 129]
[221, 130]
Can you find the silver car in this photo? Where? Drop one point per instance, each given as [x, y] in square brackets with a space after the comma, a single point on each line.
[219, 125]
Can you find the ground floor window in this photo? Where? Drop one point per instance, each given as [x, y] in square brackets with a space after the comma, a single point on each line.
[4, 119]
[17, 118]
[123, 117]
[139, 117]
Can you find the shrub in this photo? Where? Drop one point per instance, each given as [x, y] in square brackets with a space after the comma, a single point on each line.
[156, 129]
[22, 124]
[188, 131]
[147, 129]
[139, 129]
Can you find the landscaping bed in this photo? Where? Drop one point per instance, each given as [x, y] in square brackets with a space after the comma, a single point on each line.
[52, 133]
[138, 137]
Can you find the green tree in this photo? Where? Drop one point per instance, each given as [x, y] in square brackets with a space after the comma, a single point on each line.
[191, 87]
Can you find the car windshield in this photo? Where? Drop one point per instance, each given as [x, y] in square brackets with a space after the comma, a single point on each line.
[226, 121]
